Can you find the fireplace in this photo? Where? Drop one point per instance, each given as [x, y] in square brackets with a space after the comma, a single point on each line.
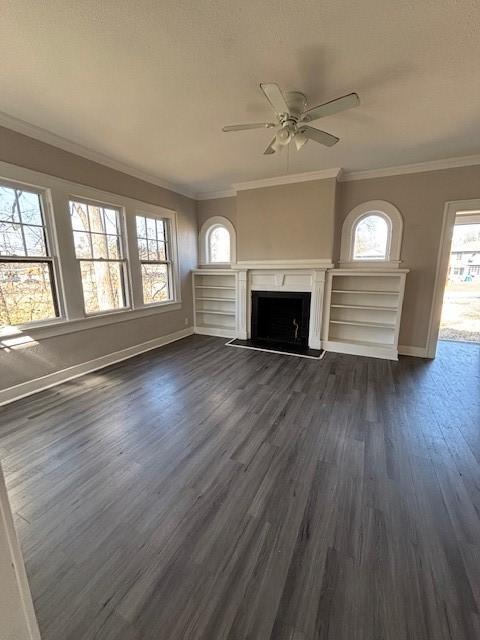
[280, 319]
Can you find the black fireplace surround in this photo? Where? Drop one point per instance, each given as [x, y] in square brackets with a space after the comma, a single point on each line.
[280, 319]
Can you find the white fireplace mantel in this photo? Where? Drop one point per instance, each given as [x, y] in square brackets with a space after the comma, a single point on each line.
[293, 275]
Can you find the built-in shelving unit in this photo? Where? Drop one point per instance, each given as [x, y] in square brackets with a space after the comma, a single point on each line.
[363, 310]
[215, 300]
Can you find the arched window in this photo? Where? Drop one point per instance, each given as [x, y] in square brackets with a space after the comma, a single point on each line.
[370, 240]
[372, 232]
[217, 242]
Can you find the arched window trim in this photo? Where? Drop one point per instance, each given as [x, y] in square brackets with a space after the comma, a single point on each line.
[204, 237]
[392, 217]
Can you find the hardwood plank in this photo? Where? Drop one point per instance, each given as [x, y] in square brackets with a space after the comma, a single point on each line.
[205, 493]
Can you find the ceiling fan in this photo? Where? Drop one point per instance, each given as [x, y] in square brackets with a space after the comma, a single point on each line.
[292, 117]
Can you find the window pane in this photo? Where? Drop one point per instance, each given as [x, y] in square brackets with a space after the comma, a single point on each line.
[102, 286]
[30, 209]
[219, 245]
[141, 231]
[79, 215]
[25, 292]
[82, 244]
[162, 253]
[113, 245]
[11, 240]
[142, 249]
[371, 237]
[8, 205]
[151, 228]
[99, 246]
[111, 221]
[152, 250]
[161, 229]
[35, 241]
[155, 283]
[95, 215]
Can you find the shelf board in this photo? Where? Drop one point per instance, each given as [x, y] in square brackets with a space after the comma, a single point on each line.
[217, 299]
[362, 306]
[212, 325]
[213, 286]
[381, 293]
[358, 323]
[362, 343]
[216, 313]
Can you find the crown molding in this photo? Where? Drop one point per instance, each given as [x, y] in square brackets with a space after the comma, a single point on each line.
[212, 195]
[288, 179]
[43, 135]
[419, 167]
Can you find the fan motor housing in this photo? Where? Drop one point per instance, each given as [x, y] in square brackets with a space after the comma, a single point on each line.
[297, 103]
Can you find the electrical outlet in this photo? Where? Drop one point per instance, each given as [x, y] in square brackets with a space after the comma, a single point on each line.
[186, 322]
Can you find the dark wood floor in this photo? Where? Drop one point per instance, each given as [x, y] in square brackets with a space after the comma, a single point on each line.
[205, 492]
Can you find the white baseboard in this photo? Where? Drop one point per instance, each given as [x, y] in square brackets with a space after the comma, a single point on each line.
[52, 379]
[418, 352]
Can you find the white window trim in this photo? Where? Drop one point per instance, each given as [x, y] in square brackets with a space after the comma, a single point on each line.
[172, 255]
[124, 261]
[52, 247]
[203, 239]
[57, 194]
[392, 217]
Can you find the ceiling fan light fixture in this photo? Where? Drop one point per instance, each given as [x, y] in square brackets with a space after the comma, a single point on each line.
[292, 115]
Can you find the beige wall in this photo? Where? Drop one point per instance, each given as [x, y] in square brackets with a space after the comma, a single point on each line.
[226, 207]
[421, 198]
[52, 354]
[286, 222]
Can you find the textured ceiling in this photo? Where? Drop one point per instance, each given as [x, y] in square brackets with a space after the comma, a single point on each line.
[150, 83]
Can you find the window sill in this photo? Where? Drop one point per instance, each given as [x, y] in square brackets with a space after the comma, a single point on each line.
[62, 326]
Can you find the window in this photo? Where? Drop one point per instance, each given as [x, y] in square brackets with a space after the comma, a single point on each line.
[27, 282]
[97, 235]
[219, 244]
[371, 238]
[372, 232]
[154, 255]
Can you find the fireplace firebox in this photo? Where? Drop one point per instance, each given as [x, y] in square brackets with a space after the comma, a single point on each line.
[280, 319]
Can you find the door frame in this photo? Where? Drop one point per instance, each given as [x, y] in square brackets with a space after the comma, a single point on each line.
[451, 210]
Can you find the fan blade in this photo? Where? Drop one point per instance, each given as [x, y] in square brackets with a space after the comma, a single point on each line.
[329, 108]
[274, 95]
[300, 139]
[319, 136]
[272, 147]
[253, 125]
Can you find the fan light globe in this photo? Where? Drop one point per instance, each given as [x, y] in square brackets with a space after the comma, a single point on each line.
[283, 136]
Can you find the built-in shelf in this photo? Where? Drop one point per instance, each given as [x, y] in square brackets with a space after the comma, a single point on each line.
[214, 312]
[356, 323]
[212, 286]
[358, 319]
[215, 299]
[366, 291]
[362, 306]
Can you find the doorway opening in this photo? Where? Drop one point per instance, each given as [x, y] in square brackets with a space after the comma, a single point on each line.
[460, 319]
